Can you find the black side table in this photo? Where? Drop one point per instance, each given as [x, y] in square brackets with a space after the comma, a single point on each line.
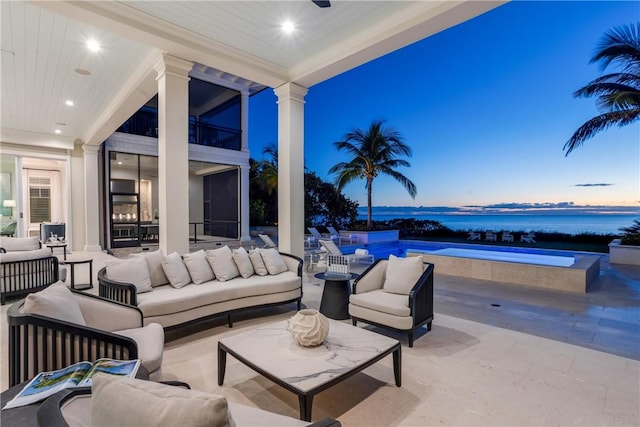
[335, 296]
[72, 262]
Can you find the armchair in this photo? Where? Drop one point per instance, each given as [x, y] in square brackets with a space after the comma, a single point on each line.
[39, 342]
[391, 308]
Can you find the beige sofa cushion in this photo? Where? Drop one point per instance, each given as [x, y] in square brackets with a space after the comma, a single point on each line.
[198, 266]
[154, 264]
[131, 402]
[241, 258]
[25, 255]
[273, 261]
[256, 261]
[55, 301]
[150, 340]
[402, 274]
[11, 244]
[175, 270]
[165, 300]
[386, 302]
[222, 263]
[130, 270]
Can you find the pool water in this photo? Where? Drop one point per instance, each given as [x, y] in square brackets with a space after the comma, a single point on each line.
[399, 248]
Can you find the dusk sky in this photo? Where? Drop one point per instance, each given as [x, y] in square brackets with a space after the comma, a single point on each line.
[486, 107]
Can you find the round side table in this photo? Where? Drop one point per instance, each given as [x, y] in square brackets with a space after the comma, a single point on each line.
[335, 296]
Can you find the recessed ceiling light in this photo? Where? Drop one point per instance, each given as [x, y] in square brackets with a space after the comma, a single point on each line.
[58, 131]
[82, 71]
[288, 27]
[69, 103]
[119, 163]
[93, 45]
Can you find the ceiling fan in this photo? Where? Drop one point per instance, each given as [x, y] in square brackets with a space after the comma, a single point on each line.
[322, 3]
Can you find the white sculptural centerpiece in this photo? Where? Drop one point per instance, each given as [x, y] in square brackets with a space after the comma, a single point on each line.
[309, 327]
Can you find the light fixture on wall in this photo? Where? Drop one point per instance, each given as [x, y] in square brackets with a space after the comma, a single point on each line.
[9, 204]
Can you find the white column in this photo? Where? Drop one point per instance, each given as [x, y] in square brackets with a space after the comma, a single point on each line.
[173, 153]
[244, 169]
[291, 168]
[91, 199]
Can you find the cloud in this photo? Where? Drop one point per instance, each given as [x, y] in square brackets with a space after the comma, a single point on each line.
[595, 184]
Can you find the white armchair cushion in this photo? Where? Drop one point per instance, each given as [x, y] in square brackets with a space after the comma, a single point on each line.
[150, 341]
[221, 261]
[154, 264]
[130, 270]
[120, 401]
[402, 274]
[385, 302]
[198, 266]
[273, 261]
[11, 244]
[25, 255]
[241, 258]
[55, 301]
[257, 262]
[175, 270]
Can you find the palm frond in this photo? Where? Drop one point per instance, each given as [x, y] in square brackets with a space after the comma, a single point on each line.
[598, 124]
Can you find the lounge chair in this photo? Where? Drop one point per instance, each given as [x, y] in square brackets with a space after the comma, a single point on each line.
[361, 256]
[490, 236]
[268, 243]
[474, 236]
[507, 236]
[528, 238]
[335, 235]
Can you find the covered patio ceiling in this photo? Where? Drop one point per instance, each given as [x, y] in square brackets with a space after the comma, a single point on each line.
[236, 43]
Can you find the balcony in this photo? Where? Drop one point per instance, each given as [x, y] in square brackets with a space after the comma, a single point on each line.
[145, 123]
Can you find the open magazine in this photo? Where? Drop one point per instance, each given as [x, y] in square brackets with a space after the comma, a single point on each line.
[79, 375]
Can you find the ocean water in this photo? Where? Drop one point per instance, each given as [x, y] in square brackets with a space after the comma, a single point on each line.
[603, 223]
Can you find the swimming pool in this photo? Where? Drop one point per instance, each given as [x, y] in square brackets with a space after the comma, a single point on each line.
[540, 268]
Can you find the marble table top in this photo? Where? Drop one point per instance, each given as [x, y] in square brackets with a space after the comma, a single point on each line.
[272, 349]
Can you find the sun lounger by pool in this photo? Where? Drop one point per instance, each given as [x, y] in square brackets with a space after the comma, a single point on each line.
[361, 256]
[474, 236]
[335, 235]
[507, 237]
[490, 236]
[528, 238]
[268, 243]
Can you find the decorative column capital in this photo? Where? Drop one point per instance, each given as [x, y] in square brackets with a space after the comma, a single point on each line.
[174, 66]
[291, 92]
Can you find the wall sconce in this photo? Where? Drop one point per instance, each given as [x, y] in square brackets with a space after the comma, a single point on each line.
[9, 204]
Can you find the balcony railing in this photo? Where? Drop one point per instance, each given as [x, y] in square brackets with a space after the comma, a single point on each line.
[145, 123]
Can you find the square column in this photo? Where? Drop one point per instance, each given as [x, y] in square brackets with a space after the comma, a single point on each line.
[291, 168]
[173, 153]
[91, 199]
[244, 169]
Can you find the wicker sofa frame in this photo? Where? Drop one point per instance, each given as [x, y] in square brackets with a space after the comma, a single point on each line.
[40, 343]
[125, 293]
[420, 302]
[23, 277]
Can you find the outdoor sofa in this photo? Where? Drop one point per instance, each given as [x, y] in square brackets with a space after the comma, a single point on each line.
[25, 267]
[203, 284]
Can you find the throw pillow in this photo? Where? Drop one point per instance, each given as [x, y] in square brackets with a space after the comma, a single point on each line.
[257, 262]
[154, 264]
[117, 401]
[221, 261]
[273, 261]
[198, 267]
[55, 301]
[402, 274]
[130, 270]
[175, 270]
[241, 258]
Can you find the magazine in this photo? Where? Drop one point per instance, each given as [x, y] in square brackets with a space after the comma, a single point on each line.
[79, 375]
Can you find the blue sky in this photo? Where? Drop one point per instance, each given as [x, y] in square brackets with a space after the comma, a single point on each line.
[486, 107]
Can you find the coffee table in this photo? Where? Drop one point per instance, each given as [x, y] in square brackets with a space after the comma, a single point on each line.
[271, 351]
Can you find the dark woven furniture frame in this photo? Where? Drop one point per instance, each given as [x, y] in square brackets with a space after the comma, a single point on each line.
[125, 293]
[420, 302]
[23, 277]
[39, 343]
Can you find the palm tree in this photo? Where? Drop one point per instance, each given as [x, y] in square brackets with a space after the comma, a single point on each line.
[268, 169]
[618, 94]
[375, 151]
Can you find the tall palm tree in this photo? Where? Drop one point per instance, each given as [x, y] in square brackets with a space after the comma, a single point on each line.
[618, 94]
[374, 152]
